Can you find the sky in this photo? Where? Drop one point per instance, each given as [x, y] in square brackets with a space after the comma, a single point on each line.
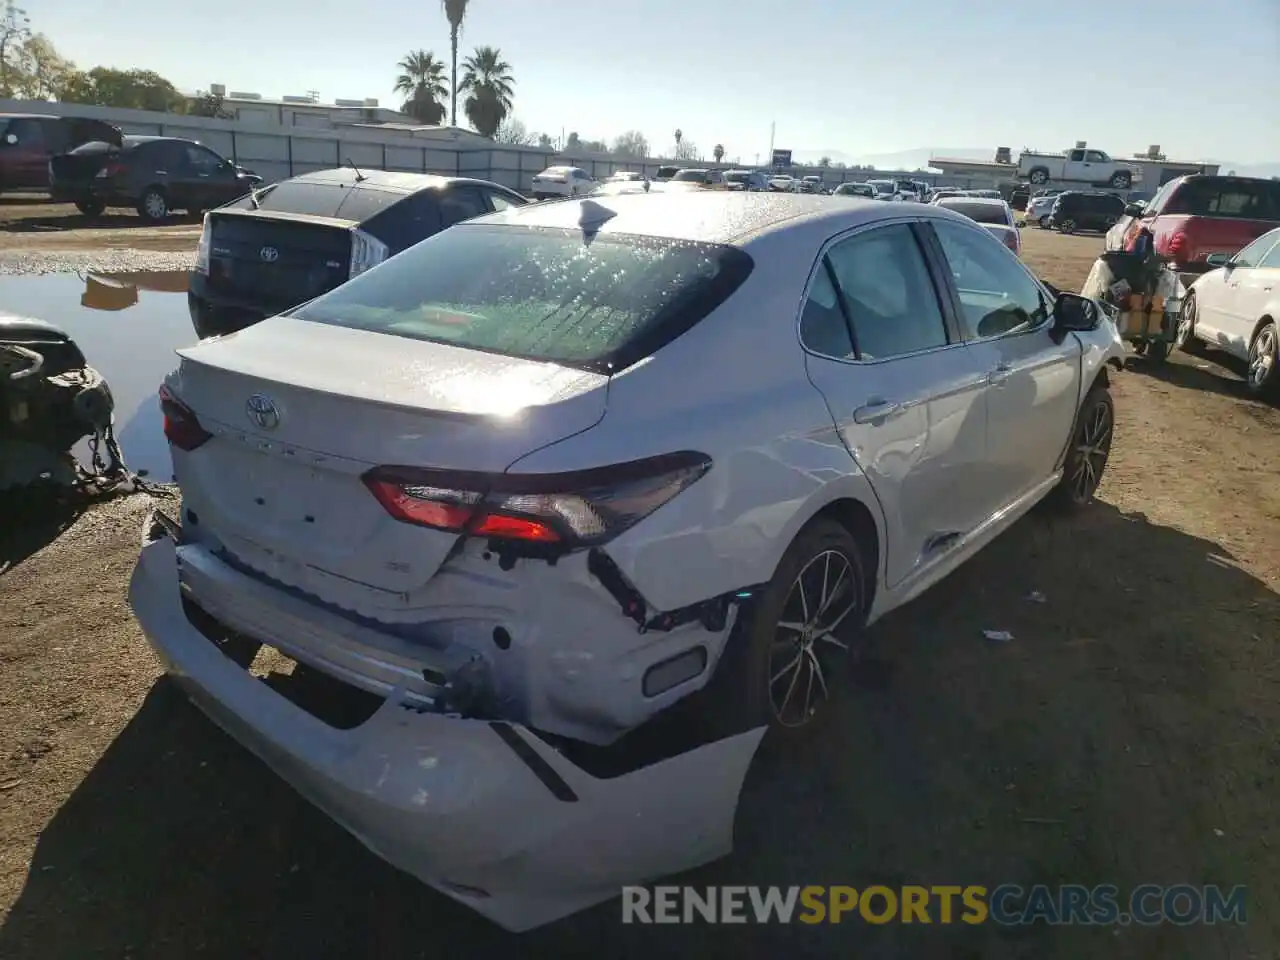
[837, 77]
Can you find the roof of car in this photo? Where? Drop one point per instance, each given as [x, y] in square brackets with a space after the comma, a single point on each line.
[975, 200]
[28, 116]
[708, 216]
[390, 180]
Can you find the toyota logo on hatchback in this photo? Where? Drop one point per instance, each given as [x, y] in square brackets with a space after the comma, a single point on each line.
[262, 411]
[269, 254]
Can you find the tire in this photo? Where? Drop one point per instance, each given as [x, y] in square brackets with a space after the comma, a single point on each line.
[1158, 351]
[91, 208]
[805, 664]
[1185, 339]
[1086, 459]
[1039, 176]
[1044, 222]
[153, 205]
[1121, 180]
[1263, 380]
[1067, 226]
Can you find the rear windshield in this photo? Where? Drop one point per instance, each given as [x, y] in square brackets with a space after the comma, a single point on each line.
[314, 199]
[981, 212]
[735, 177]
[97, 146]
[540, 293]
[691, 176]
[1214, 197]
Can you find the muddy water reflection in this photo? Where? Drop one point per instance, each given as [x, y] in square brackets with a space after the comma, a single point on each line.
[128, 325]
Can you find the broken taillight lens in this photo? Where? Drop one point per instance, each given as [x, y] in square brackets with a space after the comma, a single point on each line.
[575, 509]
[181, 427]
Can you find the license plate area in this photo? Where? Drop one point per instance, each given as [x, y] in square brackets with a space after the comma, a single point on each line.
[330, 700]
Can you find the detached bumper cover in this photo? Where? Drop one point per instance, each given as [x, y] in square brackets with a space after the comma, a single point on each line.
[488, 814]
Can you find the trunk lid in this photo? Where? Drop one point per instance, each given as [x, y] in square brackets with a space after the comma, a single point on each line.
[82, 164]
[1206, 235]
[288, 500]
[277, 260]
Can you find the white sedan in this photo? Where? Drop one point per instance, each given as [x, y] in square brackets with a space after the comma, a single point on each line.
[1236, 308]
[562, 182]
[551, 472]
[995, 215]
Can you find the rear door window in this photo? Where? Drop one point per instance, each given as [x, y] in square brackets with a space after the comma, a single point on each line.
[28, 132]
[409, 221]
[461, 203]
[542, 294]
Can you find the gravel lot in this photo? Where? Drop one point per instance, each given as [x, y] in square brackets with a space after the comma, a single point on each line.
[1126, 735]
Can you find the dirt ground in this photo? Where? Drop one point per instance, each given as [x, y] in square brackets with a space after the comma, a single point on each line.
[32, 224]
[1126, 735]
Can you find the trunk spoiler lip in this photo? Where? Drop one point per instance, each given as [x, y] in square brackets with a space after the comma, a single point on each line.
[187, 356]
[280, 215]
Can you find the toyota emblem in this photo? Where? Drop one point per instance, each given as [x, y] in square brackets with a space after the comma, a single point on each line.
[262, 411]
[269, 254]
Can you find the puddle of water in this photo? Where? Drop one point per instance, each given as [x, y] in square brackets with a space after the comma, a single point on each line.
[128, 326]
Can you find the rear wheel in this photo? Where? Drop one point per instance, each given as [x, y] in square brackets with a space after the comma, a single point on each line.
[788, 654]
[1264, 362]
[1067, 226]
[1044, 222]
[1121, 180]
[1039, 176]
[153, 205]
[91, 208]
[1089, 451]
[1158, 350]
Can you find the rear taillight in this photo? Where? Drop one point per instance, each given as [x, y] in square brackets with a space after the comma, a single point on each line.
[202, 248]
[566, 510]
[366, 252]
[112, 169]
[1176, 246]
[181, 427]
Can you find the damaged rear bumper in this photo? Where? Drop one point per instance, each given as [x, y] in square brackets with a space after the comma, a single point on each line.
[486, 812]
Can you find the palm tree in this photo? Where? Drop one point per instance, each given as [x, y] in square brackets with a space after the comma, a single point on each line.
[455, 11]
[421, 80]
[718, 152]
[487, 78]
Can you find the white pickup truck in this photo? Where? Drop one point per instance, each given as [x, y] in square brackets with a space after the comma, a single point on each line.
[1077, 165]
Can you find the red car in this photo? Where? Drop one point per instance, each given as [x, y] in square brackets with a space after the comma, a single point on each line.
[28, 141]
[1195, 216]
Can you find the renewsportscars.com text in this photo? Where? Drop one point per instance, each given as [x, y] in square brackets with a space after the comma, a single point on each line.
[1006, 905]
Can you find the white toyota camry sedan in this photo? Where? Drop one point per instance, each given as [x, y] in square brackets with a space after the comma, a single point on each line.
[1236, 307]
[547, 474]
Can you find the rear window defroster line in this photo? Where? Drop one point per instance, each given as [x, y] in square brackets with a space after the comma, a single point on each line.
[712, 613]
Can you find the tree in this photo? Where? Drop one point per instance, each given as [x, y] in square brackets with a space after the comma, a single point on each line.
[132, 89]
[686, 150]
[210, 105]
[573, 142]
[824, 162]
[514, 131]
[455, 11]
[679, 135]
[15, 28]
[545, 142]
[421, 80]
[490, 87]
[595, 146]
[41, 73]
[631, 144]
[718, 152]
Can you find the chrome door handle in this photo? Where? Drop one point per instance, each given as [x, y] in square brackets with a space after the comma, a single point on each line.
[877, 410]
[1000, 374]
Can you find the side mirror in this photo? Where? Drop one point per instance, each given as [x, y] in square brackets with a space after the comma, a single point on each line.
[1133, 210]
[1218, 259]
[10, 138]
[1074, 313]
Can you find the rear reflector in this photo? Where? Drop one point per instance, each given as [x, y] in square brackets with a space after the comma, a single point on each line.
[582, 508]
[181, 427]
